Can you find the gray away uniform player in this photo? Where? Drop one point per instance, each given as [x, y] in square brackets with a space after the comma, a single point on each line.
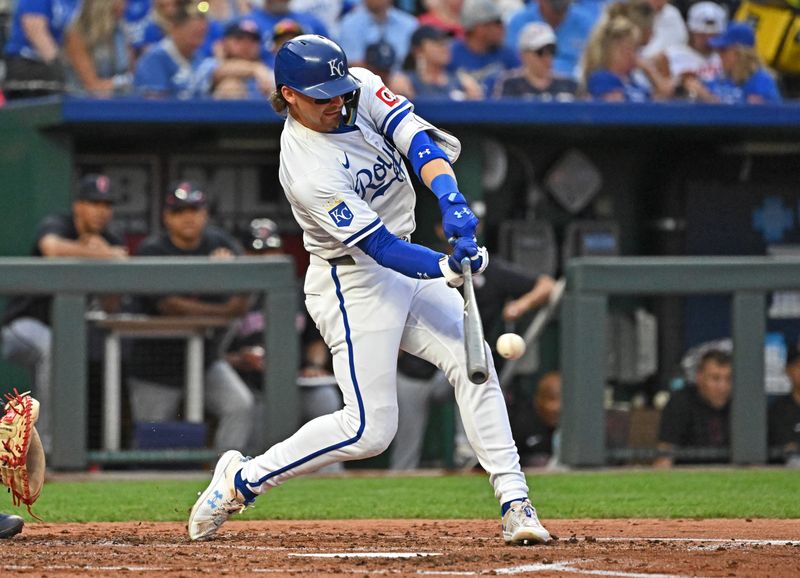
[369, 289]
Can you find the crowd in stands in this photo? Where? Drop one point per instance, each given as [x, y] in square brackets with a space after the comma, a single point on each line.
[562, 50]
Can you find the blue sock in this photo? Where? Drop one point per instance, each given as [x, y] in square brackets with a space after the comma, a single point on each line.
[240, 484]
[504, 508]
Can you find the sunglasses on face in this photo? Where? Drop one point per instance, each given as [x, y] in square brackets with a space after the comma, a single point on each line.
[548, 50]
[347, 97]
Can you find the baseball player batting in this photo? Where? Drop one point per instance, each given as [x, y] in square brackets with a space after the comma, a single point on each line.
[369, 289]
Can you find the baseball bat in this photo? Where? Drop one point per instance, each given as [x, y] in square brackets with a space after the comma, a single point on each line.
[477, 365]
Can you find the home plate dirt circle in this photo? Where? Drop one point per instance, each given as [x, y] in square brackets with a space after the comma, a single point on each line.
[624, 548]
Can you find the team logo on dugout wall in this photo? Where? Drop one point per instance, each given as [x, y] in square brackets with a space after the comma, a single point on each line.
[341, 215]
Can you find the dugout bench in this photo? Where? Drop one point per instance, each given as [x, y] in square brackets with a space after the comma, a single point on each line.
[69, 281]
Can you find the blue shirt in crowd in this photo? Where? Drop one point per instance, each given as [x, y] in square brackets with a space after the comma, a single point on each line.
[603, 82]
[760, 84]
[59, 14]
[359, 29]
[163, 71]
[485, 68]
[135, 20]
[571, 35]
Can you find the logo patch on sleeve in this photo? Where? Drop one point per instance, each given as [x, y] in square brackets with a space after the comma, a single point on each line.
[387, 96]
[341, 215]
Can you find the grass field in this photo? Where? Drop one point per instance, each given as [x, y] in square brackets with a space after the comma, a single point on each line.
[728, 493]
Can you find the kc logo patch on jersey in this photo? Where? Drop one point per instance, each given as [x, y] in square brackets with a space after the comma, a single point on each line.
[387, 96]
[341, 215]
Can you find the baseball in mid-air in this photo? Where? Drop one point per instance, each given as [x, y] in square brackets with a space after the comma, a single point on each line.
[510, 346]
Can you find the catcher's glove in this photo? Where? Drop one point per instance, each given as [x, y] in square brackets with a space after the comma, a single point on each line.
[22, 462]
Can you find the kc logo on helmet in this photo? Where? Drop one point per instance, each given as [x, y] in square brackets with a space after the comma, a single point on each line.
[337, 67]
[341, 215]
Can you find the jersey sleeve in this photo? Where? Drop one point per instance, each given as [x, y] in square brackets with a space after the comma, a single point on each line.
[327, 196]
[151, 76]
[52, 225]
[394, 117]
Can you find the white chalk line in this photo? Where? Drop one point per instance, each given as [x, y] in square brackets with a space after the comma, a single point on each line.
[366, 555]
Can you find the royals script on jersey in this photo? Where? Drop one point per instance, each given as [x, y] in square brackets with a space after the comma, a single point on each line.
[342, 186]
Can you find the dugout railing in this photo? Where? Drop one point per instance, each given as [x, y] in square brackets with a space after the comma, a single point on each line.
[70, 281]
[591, 281]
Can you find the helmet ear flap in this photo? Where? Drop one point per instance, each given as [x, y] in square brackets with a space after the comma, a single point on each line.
[351, 107]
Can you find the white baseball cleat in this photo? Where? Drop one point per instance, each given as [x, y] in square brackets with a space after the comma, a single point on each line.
[521, 525]
[219, 500]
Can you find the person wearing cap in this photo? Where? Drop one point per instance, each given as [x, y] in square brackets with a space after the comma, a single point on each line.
[426, 72]
[743, 78]
[373, 21]
[83, 233]
[698, 59]
[171, 68]
[784, 413]
[156, 367]
[535, 78]
[283, 31]
[482, 53]
[380, 59]
[572, 23]
[239, 72]
[269, 12]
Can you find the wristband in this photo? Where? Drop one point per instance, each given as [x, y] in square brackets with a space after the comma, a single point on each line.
[444, 187]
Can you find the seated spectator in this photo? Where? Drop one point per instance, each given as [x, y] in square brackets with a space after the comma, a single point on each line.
[697, 60]
[426, 72]
[283, 31]
[34, 48]
[669, 29]
[172, 68]
[328, 12]
[380, 59]
[698, 416]
[784, 414]
[610, 60]
[220, 13]
[571, 23]
[534, 430]
[157, 367]
[743, 78]
[269, 12]
[535, 79]
[481, 53]
[155, 25]
[444, 14]
[240, 73]
[373, 21]
[135, 20]
[84, 233]
[99, 56]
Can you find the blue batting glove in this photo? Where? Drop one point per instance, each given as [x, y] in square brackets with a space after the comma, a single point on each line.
[458, 220]
[468, 247]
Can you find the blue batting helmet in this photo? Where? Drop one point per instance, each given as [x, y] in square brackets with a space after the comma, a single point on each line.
[317, 67]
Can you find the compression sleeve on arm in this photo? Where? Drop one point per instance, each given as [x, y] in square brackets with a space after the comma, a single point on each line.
[407, 258]
[423, 150]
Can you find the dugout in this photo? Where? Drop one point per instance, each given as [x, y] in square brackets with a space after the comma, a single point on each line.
[676, 178]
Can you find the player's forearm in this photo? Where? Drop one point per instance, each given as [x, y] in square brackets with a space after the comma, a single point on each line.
[410, 259]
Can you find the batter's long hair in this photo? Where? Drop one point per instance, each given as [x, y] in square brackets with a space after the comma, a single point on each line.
[279, 103]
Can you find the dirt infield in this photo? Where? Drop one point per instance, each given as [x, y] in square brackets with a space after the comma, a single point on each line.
[627, 548]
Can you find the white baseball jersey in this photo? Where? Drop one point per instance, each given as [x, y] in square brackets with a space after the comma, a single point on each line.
[342, 186]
